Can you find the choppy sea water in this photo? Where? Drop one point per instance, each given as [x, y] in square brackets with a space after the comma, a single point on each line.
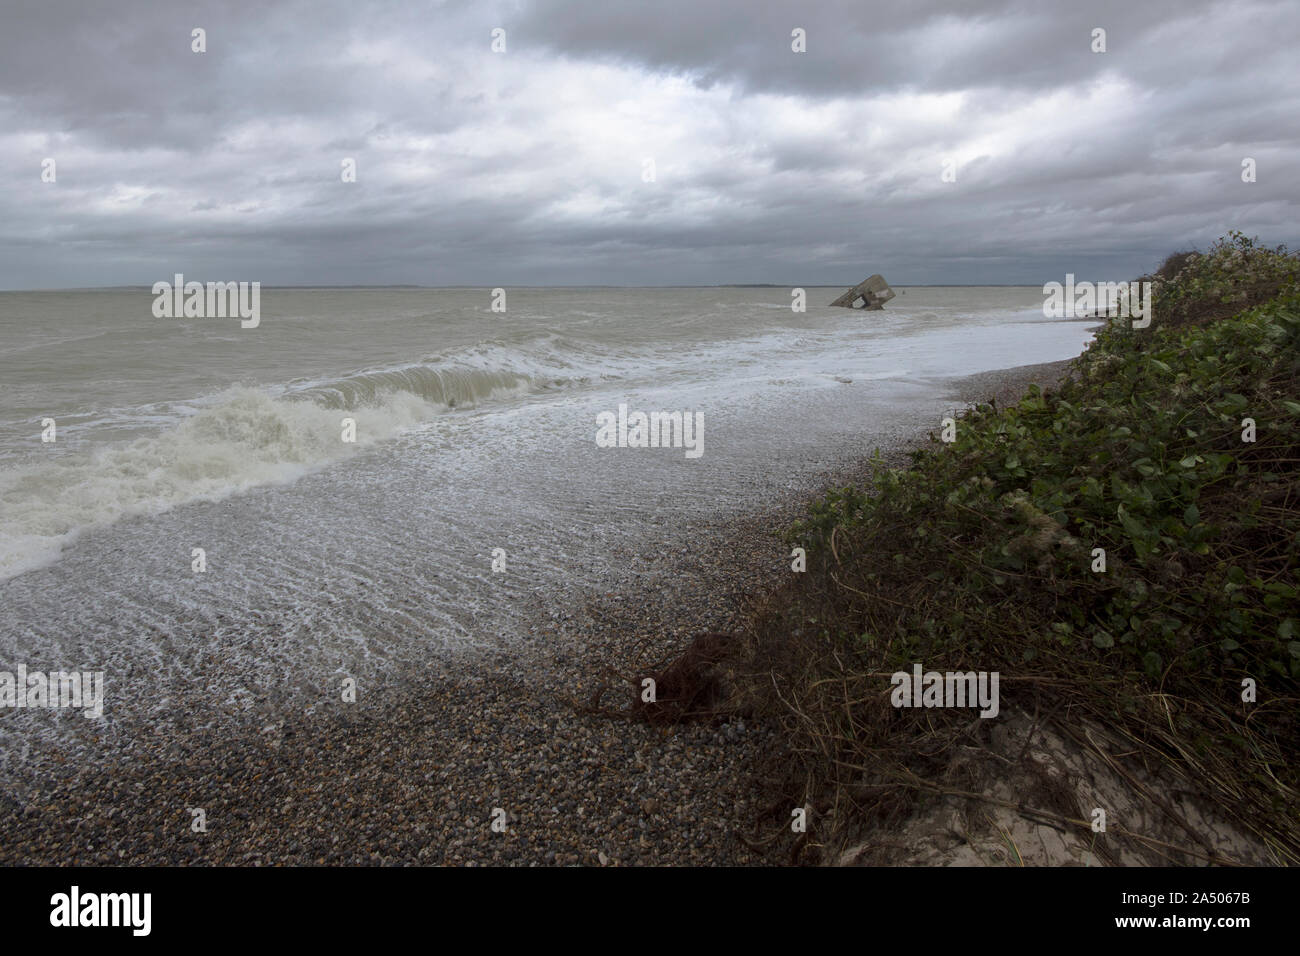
[475, 431]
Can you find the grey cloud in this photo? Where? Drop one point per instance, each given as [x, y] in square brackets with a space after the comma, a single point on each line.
[524, 168]
[855, 48]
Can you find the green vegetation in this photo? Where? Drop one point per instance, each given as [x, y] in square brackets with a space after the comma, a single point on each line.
[981, 556]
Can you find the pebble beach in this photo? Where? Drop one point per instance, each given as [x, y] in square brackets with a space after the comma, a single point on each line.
[490, 761]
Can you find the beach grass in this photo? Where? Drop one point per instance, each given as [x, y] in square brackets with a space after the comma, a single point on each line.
[1168, 456]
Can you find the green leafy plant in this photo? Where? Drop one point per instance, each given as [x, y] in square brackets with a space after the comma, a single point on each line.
[981, 555]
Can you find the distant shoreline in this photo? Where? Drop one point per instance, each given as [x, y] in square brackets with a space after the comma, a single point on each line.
[739, 285]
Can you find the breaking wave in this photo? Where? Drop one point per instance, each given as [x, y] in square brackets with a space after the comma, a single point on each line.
[246, 437]
[473, 375]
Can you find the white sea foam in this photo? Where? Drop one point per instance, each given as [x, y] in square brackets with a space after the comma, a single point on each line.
[118, 459]
[243, 438]
[474, 432]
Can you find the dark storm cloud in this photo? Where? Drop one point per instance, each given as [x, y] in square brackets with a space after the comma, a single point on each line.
[866, 48]
[526, 166]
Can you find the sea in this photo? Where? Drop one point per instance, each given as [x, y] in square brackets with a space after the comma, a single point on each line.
[230, 521]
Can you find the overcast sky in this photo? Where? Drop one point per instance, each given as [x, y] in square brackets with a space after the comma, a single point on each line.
[528, 166]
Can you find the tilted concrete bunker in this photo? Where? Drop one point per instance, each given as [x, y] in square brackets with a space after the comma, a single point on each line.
[873, 294]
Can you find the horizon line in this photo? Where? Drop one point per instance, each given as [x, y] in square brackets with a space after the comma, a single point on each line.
[711, 285]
